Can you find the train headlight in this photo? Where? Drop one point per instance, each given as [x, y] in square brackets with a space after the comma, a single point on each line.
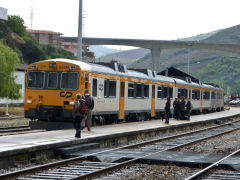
[29, 101]
[68, 102]
[71, 102]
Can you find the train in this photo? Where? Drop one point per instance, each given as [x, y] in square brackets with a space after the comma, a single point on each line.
[120, 94]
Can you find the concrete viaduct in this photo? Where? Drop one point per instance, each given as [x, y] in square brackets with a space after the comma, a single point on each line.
[157, 45]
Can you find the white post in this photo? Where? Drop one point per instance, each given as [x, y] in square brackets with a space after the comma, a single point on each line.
[79, 50]
[7, 110]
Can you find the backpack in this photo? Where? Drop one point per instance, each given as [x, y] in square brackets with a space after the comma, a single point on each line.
[88, 101]
[83, 107]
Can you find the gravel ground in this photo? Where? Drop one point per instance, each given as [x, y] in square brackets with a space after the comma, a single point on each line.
[151, 172]
[14, 122]
[224, 144]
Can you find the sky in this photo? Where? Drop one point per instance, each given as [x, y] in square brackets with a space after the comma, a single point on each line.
[129, 19]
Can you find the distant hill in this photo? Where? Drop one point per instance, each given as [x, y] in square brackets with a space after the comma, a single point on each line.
[204, 64]
[102, 50]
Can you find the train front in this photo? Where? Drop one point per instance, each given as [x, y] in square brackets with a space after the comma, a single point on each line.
[51, 88]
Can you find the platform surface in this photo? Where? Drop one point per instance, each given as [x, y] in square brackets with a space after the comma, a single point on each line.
[17, 143]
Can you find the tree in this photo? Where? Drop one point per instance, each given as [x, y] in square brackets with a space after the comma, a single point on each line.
[16, 24]
[8, 61]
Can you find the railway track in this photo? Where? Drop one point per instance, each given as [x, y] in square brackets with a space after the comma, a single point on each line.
[217, 174]
[16, 130]
[79, 168]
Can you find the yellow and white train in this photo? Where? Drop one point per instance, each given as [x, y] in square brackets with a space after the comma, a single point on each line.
[119, 93]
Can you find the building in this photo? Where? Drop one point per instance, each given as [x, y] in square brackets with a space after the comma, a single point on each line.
[20, 80]
[3, 14]
[46, 37]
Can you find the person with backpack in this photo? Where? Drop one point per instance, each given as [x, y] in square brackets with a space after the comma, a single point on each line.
[90, 103]
[77, 116]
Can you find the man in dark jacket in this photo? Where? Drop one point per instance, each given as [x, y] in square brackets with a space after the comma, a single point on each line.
[167, 109]
[188, 107]
[90, 102]
[174, 108]
[182, 107]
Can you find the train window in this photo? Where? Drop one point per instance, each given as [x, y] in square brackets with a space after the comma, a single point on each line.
[165, 91]
[139, 93]
[94, 88]
[179, 93]
[112, 88]
[86, 81]
[213, 95]
[109, 88]
[52, 80]
[130, 90]
[185, 93]
[122, 89]
[170, 90]
[69, 80]
[36, 79]
[159, 92]
[198, 94]
[146, 91]
[153, 91]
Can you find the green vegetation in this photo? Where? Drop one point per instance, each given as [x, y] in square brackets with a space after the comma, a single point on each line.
[16, 24]
[224, 71]
[8, 60]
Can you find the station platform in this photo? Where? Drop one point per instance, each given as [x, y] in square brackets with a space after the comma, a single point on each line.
[26, 143]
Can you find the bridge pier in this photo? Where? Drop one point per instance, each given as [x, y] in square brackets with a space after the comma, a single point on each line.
[155, 52]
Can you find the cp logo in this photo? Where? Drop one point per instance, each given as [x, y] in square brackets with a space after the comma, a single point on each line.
[66, 94]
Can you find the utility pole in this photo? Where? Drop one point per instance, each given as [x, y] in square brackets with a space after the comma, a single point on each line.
[31, 17]
[79, 50]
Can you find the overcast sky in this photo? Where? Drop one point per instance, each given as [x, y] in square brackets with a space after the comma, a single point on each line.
[136, 19]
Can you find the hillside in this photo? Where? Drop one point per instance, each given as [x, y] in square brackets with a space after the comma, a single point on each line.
[102, 51]
[201, 61]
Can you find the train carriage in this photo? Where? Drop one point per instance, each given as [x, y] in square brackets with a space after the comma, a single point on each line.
[119, 93]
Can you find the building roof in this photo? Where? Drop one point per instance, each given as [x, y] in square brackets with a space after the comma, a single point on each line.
[21, 67]
[42, 32]
[176, 73]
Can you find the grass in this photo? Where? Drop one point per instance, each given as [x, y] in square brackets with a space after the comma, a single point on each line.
[14, 122]
[12, 111]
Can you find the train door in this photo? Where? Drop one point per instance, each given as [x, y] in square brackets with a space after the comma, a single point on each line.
[153, 102]
[121, 100]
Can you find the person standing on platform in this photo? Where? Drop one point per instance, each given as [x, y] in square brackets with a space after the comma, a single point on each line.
[174, 108]
[167, 110]
[188, 107]
[182, 107]
[90, 103]
[178, 109]
[77, 116]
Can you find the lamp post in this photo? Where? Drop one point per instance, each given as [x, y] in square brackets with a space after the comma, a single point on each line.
[188, 61]
[79, 49]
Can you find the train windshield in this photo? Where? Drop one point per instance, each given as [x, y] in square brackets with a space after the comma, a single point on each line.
[69, 80]
[36, 79]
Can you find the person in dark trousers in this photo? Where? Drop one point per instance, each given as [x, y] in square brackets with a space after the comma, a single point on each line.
[167, 110]
[90, 102]
[178, 109]
[174, 108]
[188, 107]
[182, 107]
[77, 116]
